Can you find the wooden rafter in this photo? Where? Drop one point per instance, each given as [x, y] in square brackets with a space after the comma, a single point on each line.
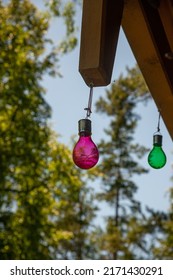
[148, 25]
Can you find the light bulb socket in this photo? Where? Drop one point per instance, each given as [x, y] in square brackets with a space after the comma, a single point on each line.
[84, 126]
[157, 139]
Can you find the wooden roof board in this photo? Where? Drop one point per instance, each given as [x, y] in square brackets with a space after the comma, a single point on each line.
[145, 34]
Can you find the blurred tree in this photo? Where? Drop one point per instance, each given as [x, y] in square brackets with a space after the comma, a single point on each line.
[76, 208]
[66, 10]
[125, 236]
[162, 230]
[45, 208]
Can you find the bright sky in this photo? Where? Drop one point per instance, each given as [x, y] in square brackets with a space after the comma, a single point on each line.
[68, 96]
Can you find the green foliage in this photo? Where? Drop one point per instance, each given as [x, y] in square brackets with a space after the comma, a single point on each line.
[66, 10]
[162, 248]
[123, 237]
[45, 207]
[76, 210]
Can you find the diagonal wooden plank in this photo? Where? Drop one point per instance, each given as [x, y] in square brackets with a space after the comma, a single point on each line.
[145, 34]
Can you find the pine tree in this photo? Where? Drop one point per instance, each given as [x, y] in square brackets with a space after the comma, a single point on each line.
[124, 237]
[162, 229]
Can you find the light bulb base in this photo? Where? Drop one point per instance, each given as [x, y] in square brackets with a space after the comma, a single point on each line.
[157, 139]
[84, 126]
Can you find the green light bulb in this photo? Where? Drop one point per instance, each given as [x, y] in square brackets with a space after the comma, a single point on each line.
[157, 157]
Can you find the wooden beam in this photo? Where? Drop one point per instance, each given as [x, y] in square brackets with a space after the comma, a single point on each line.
[166, 15]
[101, 22]
[145, 33]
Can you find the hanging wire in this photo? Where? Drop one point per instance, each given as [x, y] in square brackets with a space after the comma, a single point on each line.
[158, 125]
[88, 109]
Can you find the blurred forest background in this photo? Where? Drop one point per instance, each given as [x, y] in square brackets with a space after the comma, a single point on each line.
[48, 207]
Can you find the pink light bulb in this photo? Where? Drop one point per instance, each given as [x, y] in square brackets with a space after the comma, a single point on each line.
[85, 153]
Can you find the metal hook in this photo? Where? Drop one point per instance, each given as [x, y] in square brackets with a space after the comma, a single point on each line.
[158, 125]
[88, 109]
